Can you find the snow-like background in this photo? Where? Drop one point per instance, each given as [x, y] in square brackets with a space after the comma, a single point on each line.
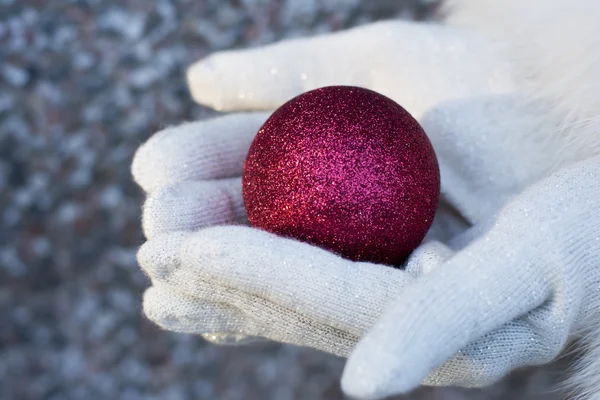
[82, 84]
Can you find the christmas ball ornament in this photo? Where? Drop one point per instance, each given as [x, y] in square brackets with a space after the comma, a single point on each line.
[346, 169]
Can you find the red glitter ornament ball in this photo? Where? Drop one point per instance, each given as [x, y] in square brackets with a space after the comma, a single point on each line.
[346, 169]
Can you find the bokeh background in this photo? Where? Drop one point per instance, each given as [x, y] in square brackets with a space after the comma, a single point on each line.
[82, 85]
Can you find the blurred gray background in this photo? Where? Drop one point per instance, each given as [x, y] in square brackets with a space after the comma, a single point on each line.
[82, 84]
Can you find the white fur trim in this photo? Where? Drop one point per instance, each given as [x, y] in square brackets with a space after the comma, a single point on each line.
[556, 44]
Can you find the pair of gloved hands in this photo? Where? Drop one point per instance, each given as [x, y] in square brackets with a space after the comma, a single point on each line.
[507, 275]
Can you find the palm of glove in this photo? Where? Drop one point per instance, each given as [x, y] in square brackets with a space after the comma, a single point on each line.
[465, 311]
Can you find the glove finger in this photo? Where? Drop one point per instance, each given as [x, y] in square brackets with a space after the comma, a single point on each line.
[440, 313]
[218, 323]
[418, 65]
[266, 77]
[202, 150]
[297, 276]
[243, 318]
[180, 313]
[189, 206]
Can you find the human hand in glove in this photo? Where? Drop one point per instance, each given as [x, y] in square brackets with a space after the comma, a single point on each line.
[506, 293]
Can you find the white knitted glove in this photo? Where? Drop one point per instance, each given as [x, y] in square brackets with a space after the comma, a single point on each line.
[510, 298]
[528, 279]
[490, 145]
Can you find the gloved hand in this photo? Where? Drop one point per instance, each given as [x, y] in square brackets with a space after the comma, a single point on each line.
[527, 280]
[487, 136]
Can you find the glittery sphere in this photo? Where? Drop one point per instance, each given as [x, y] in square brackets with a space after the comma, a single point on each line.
[346, 169]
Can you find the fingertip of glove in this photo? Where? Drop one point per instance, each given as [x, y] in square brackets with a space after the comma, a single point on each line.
[357, 386]
[160, 161]
[162, 309]
[158, 211]
[150, 302]
[149, 166]
[160, 256]
[365, 383]
[376, 370]
[138, 170]
[204, 84]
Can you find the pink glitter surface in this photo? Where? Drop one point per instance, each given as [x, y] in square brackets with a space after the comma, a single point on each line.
[346, 169]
